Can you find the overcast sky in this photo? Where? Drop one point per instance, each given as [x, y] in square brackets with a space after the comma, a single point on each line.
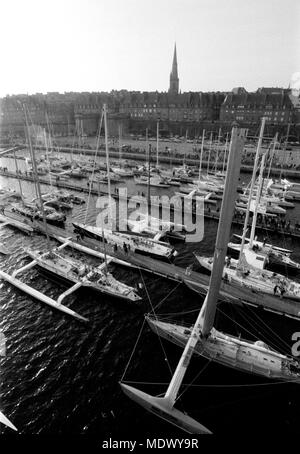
[97, 45]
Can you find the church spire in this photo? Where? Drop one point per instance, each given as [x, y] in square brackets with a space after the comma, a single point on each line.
[174, 80]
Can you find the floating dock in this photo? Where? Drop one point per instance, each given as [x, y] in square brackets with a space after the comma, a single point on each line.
[197, 282]
[208, 212]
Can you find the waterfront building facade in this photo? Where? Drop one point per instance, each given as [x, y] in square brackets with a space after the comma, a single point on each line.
[183, 114]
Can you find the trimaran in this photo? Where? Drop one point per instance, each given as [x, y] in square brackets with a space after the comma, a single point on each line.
[203, 339]
[67, 267]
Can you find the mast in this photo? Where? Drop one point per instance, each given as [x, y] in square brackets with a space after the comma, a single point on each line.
[206, 316]
[201, 154]
[272, 153]
[149, 191]
[207, 313]
[210, 145]
[146, 145]
[257, 199]
[18, 176]
[261, 134]
[47, 158]
[217, 149]
[284, 149]
[107, 160]
[225, 151]
[38, 188]
[184, 155]
[120, 147]
[94, 164]
[157, 141]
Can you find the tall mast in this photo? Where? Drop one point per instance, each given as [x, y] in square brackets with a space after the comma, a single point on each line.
[257, 199]
[184, 155]
[206, 316]
[120, 143]
[284, 149]
[217, 149]
[94, 164]
[210, 145]
[149, 191]
[207, 313]
[47, 158]
[107, 160]
[225, 151]
[18, 176]
[272, 154]
[261, 134]
[157, 141]
[38, 188]
[146, 145]
[201, 154]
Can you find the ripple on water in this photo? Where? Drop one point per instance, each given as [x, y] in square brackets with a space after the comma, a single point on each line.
[61, 376]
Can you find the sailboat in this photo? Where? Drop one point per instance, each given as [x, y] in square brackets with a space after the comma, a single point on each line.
[56, 262]
[249, 270]
[136, 243]
[203, 339]
[157, 228]
[75, 271]
[122, 169]
[259, 253]
[34, 210]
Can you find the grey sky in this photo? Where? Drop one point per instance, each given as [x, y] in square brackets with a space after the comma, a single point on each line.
[95, 45]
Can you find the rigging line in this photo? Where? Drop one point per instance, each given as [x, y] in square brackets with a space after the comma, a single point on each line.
[241, 326]
[179, 313]
[272, 331]
[209, 385]
[258, 328]
[160, 341]
[133, 350]
[195, 378]
[94, 164]
[266, 333]
[170, 293]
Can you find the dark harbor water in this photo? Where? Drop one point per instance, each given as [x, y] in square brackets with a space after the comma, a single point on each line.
[62, 377]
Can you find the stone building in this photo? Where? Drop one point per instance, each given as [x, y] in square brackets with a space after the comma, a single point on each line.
[132, 111]
[248, 108]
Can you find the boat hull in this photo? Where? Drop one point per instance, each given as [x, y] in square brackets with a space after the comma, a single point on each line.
[85, 232]
[228, 351]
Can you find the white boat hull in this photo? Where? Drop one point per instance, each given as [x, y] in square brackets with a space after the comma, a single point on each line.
[230, 351]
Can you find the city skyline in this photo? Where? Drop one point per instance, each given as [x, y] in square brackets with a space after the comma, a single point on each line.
[96, 46]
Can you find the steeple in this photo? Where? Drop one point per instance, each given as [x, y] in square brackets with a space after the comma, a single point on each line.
[174, 80]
